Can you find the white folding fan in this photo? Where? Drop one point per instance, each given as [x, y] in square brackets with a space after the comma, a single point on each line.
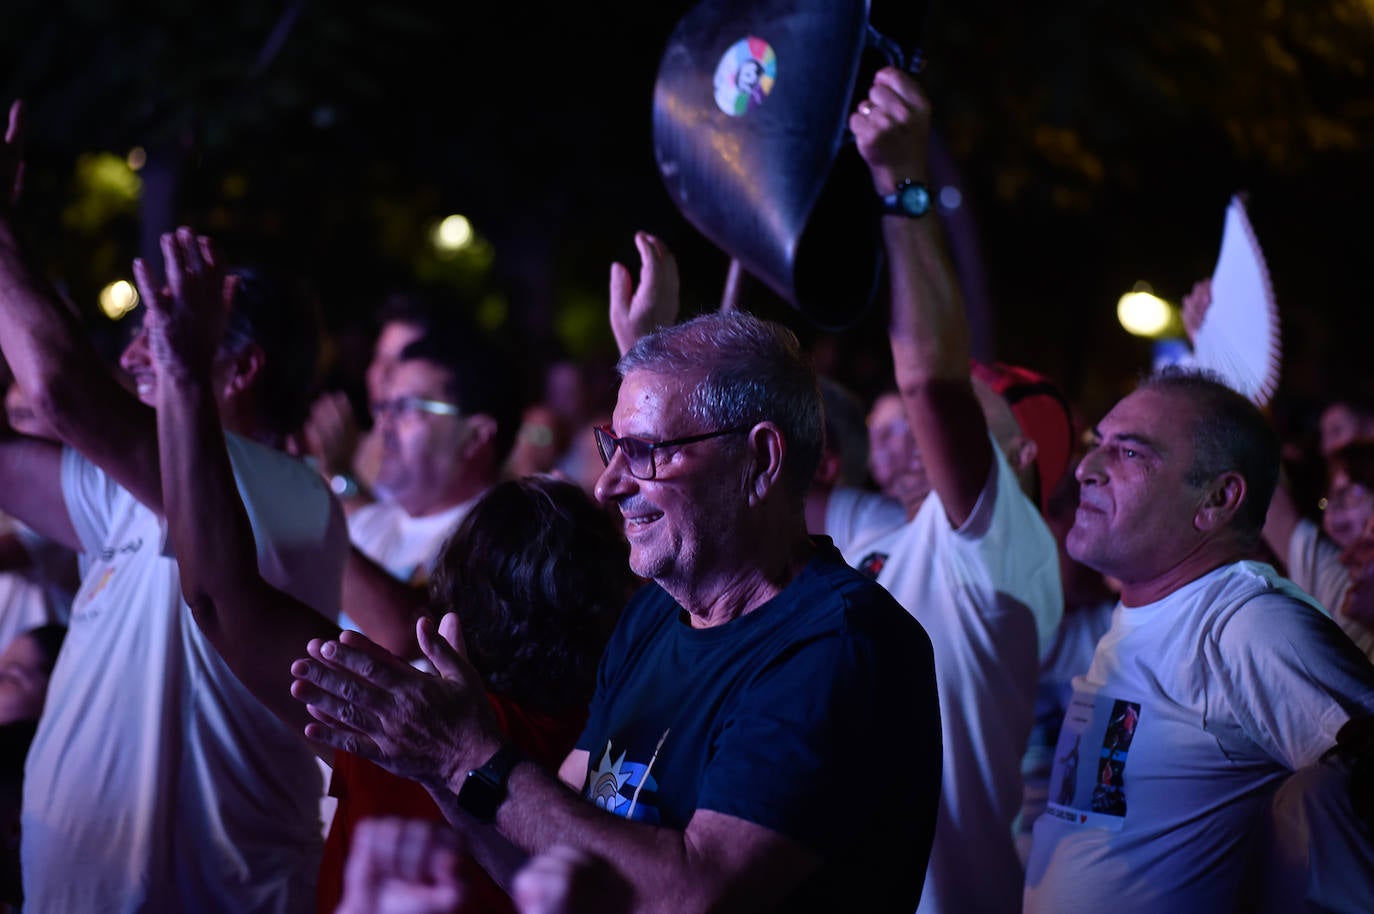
[1239, 336]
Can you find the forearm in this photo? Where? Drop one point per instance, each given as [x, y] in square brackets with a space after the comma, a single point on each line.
[257, 629]
[493, 851]
[37, 333]
[383, 607]
[65, 380]
[928, 327]
[664, 873]
[198, 484]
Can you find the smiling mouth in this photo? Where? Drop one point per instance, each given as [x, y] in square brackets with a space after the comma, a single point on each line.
[639, 521]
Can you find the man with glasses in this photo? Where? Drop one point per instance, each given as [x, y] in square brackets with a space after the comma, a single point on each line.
[765, 718]
[446, 420]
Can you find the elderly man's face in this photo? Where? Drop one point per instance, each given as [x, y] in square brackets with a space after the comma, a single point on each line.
[678, 524]
[1136, 509]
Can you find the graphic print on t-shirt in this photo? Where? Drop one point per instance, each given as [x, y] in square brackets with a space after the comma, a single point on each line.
[872, 565]
[1088, 785]
[625, 788]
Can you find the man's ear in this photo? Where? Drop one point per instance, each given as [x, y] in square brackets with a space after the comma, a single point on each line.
[1221, 501]
[767, 448]
[481, 430]
[1021, 453]
[828, 470]
[245, 367]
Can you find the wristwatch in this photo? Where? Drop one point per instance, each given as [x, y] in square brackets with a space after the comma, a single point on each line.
[910, 199]
[485, 787]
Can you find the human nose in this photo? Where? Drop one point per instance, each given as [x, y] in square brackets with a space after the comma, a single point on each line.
[615, 481]
[1089, 469]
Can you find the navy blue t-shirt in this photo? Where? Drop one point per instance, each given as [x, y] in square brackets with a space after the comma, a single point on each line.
[815, 716]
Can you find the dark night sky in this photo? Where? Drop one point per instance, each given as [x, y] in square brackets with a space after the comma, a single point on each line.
[1097, 146]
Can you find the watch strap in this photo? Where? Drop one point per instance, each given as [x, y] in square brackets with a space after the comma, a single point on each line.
[910, 198]
[484, 789]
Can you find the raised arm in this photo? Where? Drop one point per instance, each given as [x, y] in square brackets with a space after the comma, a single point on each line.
[56, 365]
[928, 328]
[256, 628]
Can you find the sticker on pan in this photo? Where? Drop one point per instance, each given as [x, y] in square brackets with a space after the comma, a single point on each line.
[745, 76]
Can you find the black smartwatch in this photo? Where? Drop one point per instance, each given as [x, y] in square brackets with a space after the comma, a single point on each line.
[485, 787]
[910, 199]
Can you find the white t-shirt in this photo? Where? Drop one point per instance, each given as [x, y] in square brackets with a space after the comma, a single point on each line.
[1195, 708]
[405, 546]
[1314, 564]
[37, 595]
[1069, 656]
[989, 596]
[854, 518]
[156, 781]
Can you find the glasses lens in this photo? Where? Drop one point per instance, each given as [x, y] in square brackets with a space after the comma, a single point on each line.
[605, 444]
[639, 454]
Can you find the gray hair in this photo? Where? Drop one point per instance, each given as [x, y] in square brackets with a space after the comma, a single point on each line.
[748, 371]
[1230, 434]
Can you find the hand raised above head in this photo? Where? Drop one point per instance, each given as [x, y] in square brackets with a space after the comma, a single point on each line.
[186, 318]
[892, 129]
[637, 312]
[414, 724]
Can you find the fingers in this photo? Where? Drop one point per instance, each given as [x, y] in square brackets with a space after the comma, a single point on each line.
[340, 683]
[891, 81]
[451, 629]
[14, 129]
[440, 651]
[12, 158]
[148, 288]
[622, 288]
[417, 860]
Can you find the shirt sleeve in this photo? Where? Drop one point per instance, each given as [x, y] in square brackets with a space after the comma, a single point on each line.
[89, 494]
[1291, 677]
[299, 527]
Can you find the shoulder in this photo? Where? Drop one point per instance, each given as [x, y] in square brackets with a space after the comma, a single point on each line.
[830, 597]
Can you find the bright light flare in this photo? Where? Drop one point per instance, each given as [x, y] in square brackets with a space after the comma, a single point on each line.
[1145, 314]
[453, 234]
[118, 299]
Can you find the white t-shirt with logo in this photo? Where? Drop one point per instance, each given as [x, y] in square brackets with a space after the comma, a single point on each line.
[1194, 709]
[156, 781]
[988, 594]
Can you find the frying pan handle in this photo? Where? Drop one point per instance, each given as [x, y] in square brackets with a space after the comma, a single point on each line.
[896, 55]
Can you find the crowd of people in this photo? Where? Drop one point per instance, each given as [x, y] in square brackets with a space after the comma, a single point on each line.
[730, 638]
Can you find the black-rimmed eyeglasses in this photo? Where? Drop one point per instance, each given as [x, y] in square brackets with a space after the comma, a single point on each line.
[639, 452]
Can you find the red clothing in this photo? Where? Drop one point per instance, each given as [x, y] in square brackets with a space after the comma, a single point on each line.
[365, 790]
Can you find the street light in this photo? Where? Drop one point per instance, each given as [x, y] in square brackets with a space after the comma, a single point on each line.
[1143, 313]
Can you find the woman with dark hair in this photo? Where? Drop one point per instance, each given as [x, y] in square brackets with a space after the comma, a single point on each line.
[537, 574]
[535, 555]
